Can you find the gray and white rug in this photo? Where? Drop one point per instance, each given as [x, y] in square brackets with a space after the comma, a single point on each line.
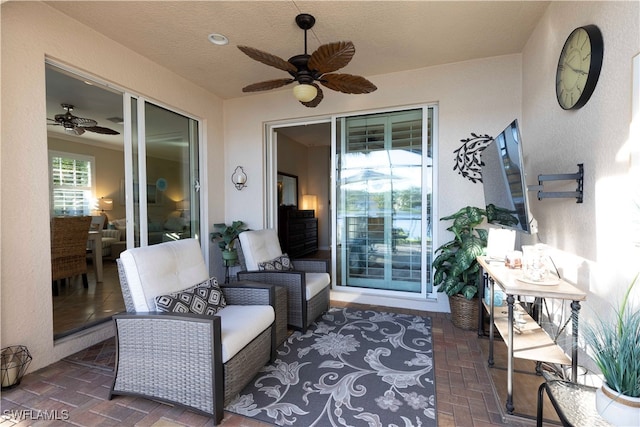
[351, 368]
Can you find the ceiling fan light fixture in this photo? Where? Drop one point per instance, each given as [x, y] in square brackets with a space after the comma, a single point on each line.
[218, 39]
[304, 92]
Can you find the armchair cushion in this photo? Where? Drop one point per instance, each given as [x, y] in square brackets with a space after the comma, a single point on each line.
[162, 269]
[259, 246]
[280, 263]
[316, 282]
[205, 298]
[234, 333]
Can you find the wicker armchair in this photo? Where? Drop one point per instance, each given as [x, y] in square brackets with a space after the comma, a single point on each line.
[195, 361]
[308, 286]
[68, 249]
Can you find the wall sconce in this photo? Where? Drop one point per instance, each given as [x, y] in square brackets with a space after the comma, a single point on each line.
[239, 178]
[310, 202]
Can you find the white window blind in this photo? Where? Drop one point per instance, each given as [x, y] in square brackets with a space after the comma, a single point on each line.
[72, 182]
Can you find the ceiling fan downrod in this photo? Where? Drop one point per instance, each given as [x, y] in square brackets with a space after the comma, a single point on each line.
[305, 22]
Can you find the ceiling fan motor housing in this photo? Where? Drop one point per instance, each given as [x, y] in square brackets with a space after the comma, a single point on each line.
[303, 75]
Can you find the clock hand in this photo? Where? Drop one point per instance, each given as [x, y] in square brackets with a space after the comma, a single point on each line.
[575, 70]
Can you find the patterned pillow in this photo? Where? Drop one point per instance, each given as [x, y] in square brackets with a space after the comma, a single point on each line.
[205, 298]
[282, 263]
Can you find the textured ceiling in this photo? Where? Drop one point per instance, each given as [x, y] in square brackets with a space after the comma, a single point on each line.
[389, 36]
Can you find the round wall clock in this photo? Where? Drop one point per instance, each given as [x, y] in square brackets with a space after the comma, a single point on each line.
[579, 67]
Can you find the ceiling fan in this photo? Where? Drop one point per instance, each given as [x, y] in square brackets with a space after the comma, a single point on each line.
[78, 125]
[307, 69]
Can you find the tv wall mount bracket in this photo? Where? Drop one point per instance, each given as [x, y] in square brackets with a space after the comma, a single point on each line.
[578, 177]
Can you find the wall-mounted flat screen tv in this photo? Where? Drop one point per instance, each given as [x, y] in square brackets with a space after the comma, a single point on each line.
[503, 179]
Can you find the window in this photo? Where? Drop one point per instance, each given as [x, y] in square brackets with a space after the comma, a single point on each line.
[72, 183]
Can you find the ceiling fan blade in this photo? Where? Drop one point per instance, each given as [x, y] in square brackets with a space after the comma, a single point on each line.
[315, 101]
[101, 130]
[269, 84]
[268, 59]
[331, 57]
[347, 83]
[82, 122]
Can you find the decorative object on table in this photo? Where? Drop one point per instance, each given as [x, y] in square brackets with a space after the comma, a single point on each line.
[500, 242]
[13, 365]
[616, 351]
[513, 260]
[457, 271]
[468, 156]
[226, 236]
[352, 367]
[534, 263]
[579, 67]
[307, 69]
[239, 178]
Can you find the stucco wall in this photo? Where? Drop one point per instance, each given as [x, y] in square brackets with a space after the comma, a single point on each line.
[480, 96]
[32, 31]
[593, 239]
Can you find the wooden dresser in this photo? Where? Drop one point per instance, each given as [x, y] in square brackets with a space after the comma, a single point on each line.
[298, 231]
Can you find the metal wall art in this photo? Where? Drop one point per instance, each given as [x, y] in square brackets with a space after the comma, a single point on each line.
[468, 161]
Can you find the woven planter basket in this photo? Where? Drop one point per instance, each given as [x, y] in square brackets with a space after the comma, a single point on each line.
[464, 312]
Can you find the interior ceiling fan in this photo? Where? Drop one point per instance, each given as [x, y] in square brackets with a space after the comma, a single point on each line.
[78, 125]
[308, 69]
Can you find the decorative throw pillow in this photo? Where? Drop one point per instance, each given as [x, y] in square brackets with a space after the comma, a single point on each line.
[205, 298]
[281, 263]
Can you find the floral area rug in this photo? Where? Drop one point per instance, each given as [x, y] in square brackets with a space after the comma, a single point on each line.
[351, 368]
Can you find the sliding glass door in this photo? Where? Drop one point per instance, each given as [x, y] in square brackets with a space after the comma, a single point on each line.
[384, 183]
[164, 184]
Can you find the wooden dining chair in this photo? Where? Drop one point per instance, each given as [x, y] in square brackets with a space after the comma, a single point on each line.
[69, 249]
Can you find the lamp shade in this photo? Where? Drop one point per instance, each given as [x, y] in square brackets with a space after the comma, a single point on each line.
[182, 205]
[105, 204]
[310, 202]
[305, 93]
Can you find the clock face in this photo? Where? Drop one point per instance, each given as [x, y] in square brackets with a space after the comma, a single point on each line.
[579, 67]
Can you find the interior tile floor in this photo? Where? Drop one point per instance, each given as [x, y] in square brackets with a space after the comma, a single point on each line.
[77, 391]
[76, 308]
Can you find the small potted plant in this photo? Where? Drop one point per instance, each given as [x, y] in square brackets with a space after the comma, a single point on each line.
[226, 236]
[615, 348]
[457, 271]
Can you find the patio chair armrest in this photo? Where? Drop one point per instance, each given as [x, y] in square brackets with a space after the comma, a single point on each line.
[310, 265]
[275, 277]
[249, 293]
[158, 354]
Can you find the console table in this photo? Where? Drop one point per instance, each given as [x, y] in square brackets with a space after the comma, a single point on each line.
[531, 342]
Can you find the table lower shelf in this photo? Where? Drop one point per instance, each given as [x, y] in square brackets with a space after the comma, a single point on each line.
[530, 341]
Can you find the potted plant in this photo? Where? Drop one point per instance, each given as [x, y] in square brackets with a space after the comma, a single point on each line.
[457, 271]
[226, 236]
[615, 348]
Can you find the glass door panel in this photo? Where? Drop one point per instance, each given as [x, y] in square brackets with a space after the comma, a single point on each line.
[171, 187]
[382, 187]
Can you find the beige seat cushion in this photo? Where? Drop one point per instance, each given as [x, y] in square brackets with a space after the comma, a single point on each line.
[162, 269]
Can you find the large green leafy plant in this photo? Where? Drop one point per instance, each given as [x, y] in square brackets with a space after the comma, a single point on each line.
[455, 265]
[615, 347]
[226, 235]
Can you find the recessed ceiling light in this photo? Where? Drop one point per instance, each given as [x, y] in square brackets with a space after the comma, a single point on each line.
[218, 39]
